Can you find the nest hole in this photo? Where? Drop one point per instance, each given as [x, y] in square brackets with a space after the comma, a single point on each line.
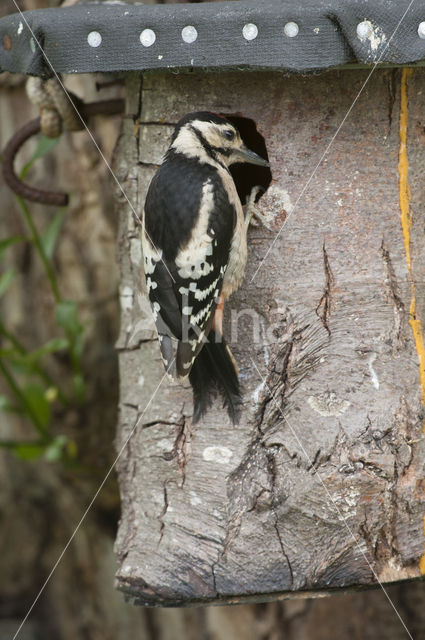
[247, 176]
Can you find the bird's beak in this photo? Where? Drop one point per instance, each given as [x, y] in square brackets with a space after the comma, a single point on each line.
[246, 155]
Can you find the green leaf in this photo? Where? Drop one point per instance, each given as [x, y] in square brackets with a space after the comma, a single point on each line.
[43, 148]
[5, 280]
[5, 404]
[8, 242]
[27, 363]
[56, 344]
[50, 235]
[67, 316]
[55, 450]
[25, 450]
[20, 361]
[35, 396]
[8, 353]
[78, 345]
[79, 386]
[71, 449]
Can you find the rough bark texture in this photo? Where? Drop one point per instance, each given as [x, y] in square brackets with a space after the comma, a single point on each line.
[321, 484]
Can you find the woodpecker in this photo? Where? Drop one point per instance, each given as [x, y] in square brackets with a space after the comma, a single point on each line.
[194, 239]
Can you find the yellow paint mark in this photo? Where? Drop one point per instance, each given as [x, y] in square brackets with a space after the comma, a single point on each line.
[406, 224]
[422, 560]
[415, 323]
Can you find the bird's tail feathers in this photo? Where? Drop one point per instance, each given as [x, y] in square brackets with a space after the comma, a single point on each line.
[215, 370]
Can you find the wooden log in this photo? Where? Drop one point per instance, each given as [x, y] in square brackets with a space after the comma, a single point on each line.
[321, 485]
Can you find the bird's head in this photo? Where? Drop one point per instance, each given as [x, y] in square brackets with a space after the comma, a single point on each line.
[207, 136]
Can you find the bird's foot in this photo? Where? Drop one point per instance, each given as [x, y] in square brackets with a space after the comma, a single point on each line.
[253, 215]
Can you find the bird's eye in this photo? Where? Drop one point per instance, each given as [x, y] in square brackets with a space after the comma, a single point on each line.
[229, 134]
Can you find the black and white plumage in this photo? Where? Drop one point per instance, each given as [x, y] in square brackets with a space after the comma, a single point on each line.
[195, 250]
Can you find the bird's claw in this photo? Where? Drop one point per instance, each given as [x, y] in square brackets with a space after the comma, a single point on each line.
[253, 216]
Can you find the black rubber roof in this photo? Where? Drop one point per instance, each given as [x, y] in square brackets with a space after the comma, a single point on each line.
[291, 35]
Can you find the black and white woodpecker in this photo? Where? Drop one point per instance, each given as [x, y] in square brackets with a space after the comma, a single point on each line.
[195, 250]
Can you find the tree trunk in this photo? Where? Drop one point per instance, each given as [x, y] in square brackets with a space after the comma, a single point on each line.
[320, 486]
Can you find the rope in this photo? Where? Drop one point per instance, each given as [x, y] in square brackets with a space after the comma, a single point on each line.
[56, 111]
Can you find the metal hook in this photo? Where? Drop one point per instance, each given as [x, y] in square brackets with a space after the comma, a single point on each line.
[54, 198]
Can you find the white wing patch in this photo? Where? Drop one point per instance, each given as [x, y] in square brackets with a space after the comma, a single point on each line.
[202, 294]
[184, 291]
[192, 261]
[195, 266]
[155, 310]
[203, 313]
[151, 257]
[151, 284]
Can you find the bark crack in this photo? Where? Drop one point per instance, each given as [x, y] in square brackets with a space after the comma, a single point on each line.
[178, 451]
[296, 358]
[214, 579]
[152, 165]
[162, 514]
[399, 308]
[272, 472]
[162, 123]
[135, 346]
[392, 84]
[277, 382]
[181, 448]
[324, 308]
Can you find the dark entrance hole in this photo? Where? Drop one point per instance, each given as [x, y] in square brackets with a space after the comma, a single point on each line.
[247, 176]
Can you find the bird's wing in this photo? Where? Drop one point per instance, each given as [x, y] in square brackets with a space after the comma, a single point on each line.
[185, 283]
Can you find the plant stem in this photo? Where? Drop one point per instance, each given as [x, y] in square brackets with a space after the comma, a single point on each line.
[39, 370]
[20, 397]
[9, 336]
[12, 444]
[38, 245]
[75, 361]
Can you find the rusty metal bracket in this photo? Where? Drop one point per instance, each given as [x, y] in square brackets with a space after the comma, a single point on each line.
[32, 128]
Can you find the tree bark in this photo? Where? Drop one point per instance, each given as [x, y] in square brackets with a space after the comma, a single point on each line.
[321, 484]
